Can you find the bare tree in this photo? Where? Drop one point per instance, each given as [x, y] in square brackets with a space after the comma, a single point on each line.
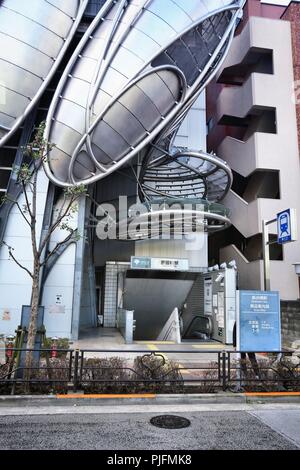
[27, 176]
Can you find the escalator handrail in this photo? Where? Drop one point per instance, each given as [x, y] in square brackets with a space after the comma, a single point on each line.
[197, 318]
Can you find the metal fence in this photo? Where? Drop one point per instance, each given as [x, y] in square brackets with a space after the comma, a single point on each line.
[127, 371]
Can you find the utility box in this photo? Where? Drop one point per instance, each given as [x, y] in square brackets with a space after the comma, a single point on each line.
[220, 303]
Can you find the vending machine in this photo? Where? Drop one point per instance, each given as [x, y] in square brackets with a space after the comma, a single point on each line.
[220, 302]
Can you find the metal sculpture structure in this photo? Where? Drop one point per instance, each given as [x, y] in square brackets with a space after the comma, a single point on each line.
[126, 90]
[34, 37]
[133, 78]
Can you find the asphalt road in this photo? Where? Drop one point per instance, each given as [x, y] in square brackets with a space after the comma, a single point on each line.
[221, 430]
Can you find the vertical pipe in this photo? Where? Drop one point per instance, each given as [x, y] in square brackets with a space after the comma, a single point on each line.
[70, 365]
[266, 255]
[224, 371]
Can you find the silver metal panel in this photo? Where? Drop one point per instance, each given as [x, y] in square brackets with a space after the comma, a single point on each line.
[24, 30]
[70, 8]
[70, 135]
[24, 56]
[71, 113]
[22, 81]
[77, 92]
[33, 39]
[6, 120]
[15, 101]
[42, 12]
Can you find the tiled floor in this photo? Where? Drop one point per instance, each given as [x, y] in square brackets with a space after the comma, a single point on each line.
[99, 338]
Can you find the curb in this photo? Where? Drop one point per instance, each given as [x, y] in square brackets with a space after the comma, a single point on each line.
[149, 399]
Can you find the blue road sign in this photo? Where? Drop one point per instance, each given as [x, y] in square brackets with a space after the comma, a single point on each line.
[286, 222]
[259, 321]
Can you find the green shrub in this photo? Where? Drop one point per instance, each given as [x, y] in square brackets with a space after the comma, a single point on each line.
[56, 369]
[107, 373]
[5, 389]
[161, 370]
[116, 375]
[274, 376]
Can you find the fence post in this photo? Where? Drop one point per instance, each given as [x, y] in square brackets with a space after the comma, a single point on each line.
[76, 363]
[224, 384]
[229, 367]
[70, 365]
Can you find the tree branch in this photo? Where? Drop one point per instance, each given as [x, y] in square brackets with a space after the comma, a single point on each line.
[57, 223]
[26, 198]
[56, 248]
[22, 213]
[10, 249]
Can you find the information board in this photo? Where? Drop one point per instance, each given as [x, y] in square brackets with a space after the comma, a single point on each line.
[259, 321]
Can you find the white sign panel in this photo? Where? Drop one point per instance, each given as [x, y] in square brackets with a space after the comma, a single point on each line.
[165, 264]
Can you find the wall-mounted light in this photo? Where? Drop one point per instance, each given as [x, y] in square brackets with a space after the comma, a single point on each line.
[220, 278]
[232, 264]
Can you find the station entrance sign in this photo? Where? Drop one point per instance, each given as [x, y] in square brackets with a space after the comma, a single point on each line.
[160, 264]
[287, 226]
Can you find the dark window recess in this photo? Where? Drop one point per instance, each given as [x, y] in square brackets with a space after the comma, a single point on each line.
[7, 156]
[258, 120]
[257, 60]
[250, 247]
[93, 7]
[4, 178]
[261, 184]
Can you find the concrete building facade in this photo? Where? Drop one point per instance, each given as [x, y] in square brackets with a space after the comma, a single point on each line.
[254, 128]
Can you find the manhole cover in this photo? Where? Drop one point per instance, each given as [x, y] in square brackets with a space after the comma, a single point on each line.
[170, 422]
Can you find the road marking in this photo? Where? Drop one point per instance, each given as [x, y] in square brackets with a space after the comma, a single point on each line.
[272, 394]
[208, 346]
[155, 342]
[152, 347]
[182, 370]
[75, 395]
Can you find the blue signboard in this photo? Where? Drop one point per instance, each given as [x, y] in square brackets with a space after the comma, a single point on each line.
[287, 226]
[140, 262]
[259, 321]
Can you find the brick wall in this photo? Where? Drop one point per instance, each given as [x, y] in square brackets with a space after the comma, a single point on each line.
[292, 14]
[290, 322]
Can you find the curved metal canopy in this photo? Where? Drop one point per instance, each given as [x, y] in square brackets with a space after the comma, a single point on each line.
[181, 224]
[184, 174]
[132, 79]
[34, 37]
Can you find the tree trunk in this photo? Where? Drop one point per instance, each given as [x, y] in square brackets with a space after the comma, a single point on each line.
[32, 328]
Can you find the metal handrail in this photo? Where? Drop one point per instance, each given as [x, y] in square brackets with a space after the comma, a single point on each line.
[210, 327]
